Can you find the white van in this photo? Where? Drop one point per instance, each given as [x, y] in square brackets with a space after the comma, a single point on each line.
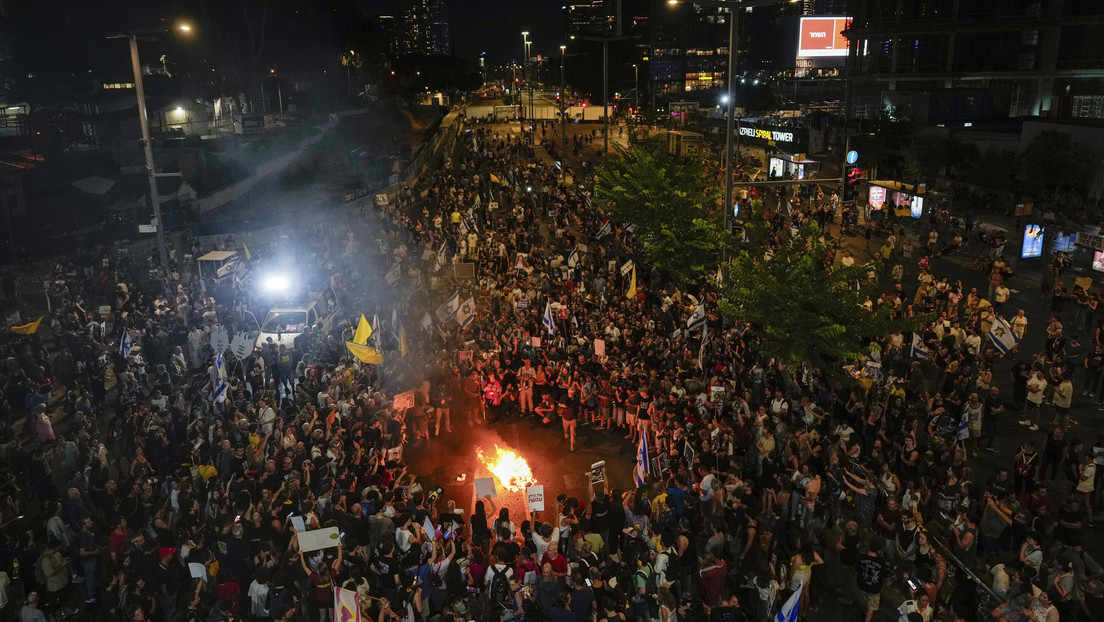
[285, 323]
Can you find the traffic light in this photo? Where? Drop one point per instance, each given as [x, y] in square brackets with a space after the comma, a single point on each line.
[851, 176]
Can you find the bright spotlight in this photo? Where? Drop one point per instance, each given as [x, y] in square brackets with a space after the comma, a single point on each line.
[724, 99]
[275, 283]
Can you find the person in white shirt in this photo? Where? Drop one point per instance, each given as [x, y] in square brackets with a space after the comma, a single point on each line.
[920, 606]
[258, 593]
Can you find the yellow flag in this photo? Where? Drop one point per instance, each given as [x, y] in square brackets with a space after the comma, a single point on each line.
[403, 349]
[632, 285]
[363, 331]
[364, 353]
[248, 255]
[28, 329]
[495, 179]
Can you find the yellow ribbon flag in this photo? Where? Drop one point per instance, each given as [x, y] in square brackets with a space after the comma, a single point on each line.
[403, 348]
[28, 329]
[632, 285]
[495, 179]
[363, 331]
[248, 255]
[364, 353]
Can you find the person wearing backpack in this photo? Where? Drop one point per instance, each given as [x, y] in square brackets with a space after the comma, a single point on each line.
[497, 581]
[643, 588]
[432, 573]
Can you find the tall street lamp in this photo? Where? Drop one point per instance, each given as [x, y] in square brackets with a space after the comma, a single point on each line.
[524, 75]
[563, 119]
[143, 120]
[733, 7]
[636, 86]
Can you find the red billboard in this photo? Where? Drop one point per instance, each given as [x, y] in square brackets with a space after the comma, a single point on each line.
[822, 37]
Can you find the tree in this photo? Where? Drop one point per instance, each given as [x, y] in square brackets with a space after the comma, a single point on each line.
[809, 311]
[671, 200]
[1052, 161]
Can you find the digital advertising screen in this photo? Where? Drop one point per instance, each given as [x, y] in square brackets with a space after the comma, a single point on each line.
[917, 207]
[821, 37]
[1098, 261]
[1032, 241]
[877, 197]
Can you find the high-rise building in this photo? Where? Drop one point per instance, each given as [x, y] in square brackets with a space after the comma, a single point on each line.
[439, 40]
[956, 60]
[591, 17]
[688, 49]
[423, 28]
[389, 41]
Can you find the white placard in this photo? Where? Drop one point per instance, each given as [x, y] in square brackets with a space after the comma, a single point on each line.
[403, 401]
[197, 571]
[493, 205]
[599, 347]
[241, 346]
[381, 199]
[430, 530]
[536, 497]
[316, 539]
[627, 267]
[485, 487]
[298, 524]
[535, 342]
[220, 340]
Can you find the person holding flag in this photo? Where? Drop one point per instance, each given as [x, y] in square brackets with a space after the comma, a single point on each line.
[547, 319]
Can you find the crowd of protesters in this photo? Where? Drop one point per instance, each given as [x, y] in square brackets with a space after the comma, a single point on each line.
[160, 502]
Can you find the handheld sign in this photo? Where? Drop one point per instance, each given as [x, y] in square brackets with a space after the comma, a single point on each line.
[536, 497]
[317, 539]
[485, 487]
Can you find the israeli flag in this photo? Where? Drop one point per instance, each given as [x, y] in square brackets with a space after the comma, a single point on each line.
[548, 321]
[701, 350]
[697, 318]
[447, 311]
[790, 609]
[640, 472]
[918, 349]
[1003, 337]
[464, 227]
[604, 231]
[573, 258]
[125, 344]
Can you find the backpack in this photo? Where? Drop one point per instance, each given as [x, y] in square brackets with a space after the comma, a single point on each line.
[40, 574]
[651, 579]
[500, 587]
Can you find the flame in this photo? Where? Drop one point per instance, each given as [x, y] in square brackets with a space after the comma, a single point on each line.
[512, 470]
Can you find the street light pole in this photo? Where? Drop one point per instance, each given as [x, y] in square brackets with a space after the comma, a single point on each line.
[147, 147]
[636, 86]
[524, 74]
[563, 119]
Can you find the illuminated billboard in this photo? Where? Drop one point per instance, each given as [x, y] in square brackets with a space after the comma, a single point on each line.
[822, 37]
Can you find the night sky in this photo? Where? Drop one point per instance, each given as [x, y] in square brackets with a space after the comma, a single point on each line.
[494, 26]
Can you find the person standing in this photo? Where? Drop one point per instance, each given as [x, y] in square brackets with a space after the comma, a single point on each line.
[1063, 398]
[89, 558]
[525, 377]
[1036, 389]
[870, 579]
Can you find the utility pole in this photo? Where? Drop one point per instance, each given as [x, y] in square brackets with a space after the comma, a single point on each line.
[605, 74]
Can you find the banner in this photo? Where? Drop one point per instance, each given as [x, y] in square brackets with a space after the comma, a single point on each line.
[346, 605]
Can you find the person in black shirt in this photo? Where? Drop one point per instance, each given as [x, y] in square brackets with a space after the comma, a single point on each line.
[728, 611]
[569, 409]
[871, 576]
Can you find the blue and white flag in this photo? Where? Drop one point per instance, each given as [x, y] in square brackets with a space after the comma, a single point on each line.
[640, 472]
[918, 349]
[697, 318]
[219, 379]
[466, 313]
[1003, 337]
[604, 231]
[573, 258]
[549, 321]
[125, 344]
[790, 609]
[447, 311]
[377, 334]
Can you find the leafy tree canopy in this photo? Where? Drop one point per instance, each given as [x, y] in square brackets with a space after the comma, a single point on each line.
[672, 202]
[810, 311]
